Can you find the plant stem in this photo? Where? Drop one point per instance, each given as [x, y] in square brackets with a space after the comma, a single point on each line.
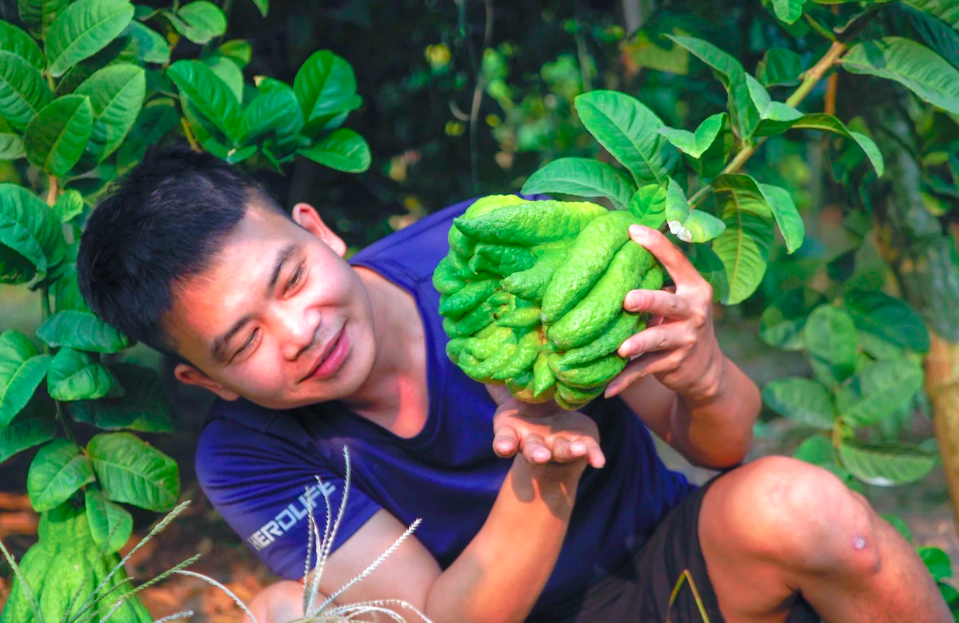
[189, 135]
[53, 190]
[45, 310]
[65, 422]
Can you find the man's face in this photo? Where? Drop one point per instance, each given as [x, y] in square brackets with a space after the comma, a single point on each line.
[278, 317]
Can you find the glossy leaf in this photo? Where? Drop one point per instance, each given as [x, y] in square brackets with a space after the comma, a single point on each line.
[912, 65]
[58, 470]
[110, 525]
[25, 433]
[75, 376]
[237, 50]
[779, 67]
[17, 42]
[710, 268]
[889, 318]
[143, 407]
[787, 216]
[730, 72]
[936, 561]
[150, 46]
[276, 112]
[885, 464]
[945, 10]
[774, 117]
[83, 29]
[700, 227]
[708, 148]
[800, 400]
[132, 472]
[229, 72]
[677, 206]
[648, 204]
[208, 93]
[343, 150]
[788, 10]
[21, 372]
[201, 21]
[56, 137]
[816, 450]
[30, 229]
[325, 87]
[263, 6]
[782, 322]
[744, 245]
[629, 131]
[829, 123]
[153, 122]
[879, 390]
[11, 146]
[68, 205]
[66, 293]
[81, 331]
[23, 91]
[831, 343]
[116, 93]
[38, 15]
[582, 177]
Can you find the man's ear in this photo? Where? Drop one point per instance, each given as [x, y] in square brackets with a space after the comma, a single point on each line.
[185, 373]
[309, 219]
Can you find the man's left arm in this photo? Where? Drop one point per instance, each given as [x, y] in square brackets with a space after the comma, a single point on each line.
[679, 382]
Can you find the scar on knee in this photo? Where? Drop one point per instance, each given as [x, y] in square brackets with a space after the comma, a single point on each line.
[859, 544]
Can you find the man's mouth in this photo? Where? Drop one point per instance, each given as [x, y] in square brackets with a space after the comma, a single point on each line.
[331, 356]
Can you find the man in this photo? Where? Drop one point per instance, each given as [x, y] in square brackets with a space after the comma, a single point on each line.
[524, 514]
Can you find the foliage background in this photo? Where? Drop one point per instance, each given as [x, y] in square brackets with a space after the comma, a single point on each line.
[417, 64]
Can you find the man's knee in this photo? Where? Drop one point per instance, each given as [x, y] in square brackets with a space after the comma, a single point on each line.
[277, 603]
[797, 515]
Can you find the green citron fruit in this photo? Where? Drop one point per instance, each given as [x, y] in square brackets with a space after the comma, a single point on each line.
[532, 295]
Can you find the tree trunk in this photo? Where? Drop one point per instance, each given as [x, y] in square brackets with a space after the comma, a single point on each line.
[942, 385]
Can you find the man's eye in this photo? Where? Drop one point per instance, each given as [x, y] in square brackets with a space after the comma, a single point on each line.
[296, 278]
[247, 344]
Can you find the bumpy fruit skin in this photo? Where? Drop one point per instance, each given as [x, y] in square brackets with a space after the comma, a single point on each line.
[532, 296]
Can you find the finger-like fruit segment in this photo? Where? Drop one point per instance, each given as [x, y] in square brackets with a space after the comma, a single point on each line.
[530, 223]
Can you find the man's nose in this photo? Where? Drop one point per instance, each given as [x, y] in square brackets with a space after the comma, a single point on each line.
[299, 328]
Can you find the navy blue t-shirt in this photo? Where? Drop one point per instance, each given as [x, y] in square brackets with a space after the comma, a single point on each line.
[258, 467]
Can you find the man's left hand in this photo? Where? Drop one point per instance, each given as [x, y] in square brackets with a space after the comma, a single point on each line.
[679, 345]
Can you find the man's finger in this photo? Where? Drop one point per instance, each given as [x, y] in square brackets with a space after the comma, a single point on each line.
[657, 302]
[505, 441]
[534, 449]
[594, 454]
[654, 339]
[569, 450]
[636, 370]
[676, 264]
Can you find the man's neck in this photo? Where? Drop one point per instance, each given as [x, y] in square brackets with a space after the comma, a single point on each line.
[395, 395]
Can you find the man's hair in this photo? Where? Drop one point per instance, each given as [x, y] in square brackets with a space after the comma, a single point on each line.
[160, 224]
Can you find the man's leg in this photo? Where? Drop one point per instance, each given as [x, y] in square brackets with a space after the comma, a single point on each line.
[777, 528]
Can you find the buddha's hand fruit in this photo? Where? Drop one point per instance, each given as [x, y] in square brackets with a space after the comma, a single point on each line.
[532, 295]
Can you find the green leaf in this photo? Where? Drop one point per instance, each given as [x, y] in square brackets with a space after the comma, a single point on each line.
[774, 117]
[229, 72]
[83, 29]
[648, 204]
[343, 150]
[17, 42]
[38, 15]
[831, 342]
[144, 407]
[58, 470]
[582, 177]
[744, 245]
[711, 268]
[880, 389]
[912, 65]
[67, 292]
[885, 464]
[208, 93]
[116, 93]
[263, 6]
[276, 112]
[731, 74]
[816, 450]
[325, 87]
[56, 136]
[788, 10]
[944, 10]
[68, 205]
[21, 371]
[153, 122]
[86, 68]
[24, 433]
[700, 227]
[828, 123]
[11, 146]
[237, 50]
[937, 561]
[787, 216]
[31, 229]
[801, 400]
[150, 45]
[629, 131]
[708, 149]
[200, 21]
[75, 376]
[779, 67]
[889, 318]
[110, 525]
[23, 91]
[132, 472]
[677, 206]
[82, 331]
[782, 322]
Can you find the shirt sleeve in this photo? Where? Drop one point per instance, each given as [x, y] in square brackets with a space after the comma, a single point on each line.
[261, 485]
